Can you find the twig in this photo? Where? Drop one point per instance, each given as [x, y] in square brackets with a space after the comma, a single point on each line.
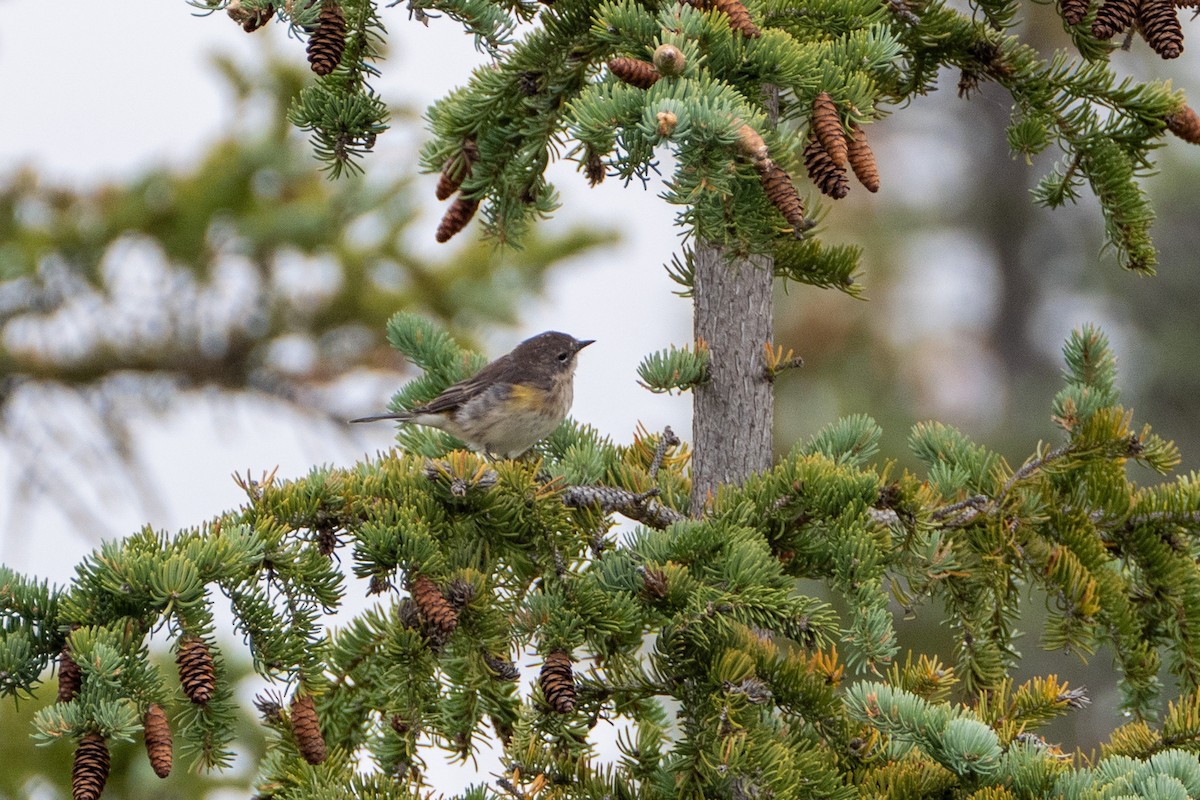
[666, 440]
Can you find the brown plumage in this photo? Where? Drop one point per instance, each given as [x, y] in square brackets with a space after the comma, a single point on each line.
[157, 732]
[827, 126]
[558, 681]
[328, 40]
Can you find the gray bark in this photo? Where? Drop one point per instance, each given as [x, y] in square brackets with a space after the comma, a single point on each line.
[734, 409]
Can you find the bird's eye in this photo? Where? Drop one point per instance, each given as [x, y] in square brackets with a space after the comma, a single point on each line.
[563, 356]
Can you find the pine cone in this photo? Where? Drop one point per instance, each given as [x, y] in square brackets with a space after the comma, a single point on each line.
[558, 682]
[828, 177]
[456, 218]
[1113, 17]
[457, 169]
[157, 732]
[654, 581]
[89, 773]
[862, 159]
[1184, 123]
[593, 169]
[751, 143]
[307, 729]
[250, 19]
[69, 675]
[327, 42]
[1159, 26]
[635, 72]
[196, 671]
[436, 610]
[1073, 11]
[827, 126]
[782, 193]
[739, 17]
[501, 668]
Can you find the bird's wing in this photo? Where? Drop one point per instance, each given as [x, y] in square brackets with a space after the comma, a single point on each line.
[454, 396]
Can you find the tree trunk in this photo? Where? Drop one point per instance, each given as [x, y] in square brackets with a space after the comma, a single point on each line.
[733, 410]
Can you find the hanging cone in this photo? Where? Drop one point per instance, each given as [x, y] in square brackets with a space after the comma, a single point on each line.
[89, 773]
[456, 218]
[1113, 17]
[634, 72]
[1073, 11]
[1159, 26]
[327, 42]
[307, 729]
[558, 682]
[457, 169]
[157, 732]
[862, 159]
[435, 609]
[827, 126]
[593, 169]
[783, 195]
[828, 177]
[1184, 123]
[739, 17]
[196, 671]
[69, 676]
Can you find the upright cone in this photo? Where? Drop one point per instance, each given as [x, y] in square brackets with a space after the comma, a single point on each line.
[89, 773]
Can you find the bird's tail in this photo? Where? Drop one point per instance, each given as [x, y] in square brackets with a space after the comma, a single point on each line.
[400, 415]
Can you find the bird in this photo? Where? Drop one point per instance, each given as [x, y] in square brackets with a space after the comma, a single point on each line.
[511, 404]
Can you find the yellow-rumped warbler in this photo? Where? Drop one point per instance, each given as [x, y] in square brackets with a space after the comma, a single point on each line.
[510, 404]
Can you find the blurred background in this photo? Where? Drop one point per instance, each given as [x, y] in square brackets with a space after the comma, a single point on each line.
[184, 296]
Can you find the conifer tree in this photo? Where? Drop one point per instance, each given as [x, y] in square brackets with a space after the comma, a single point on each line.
[690, 633]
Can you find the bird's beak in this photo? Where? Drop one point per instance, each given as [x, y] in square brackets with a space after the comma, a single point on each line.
[582, 343]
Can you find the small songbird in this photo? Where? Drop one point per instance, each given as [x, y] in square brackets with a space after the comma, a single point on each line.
[510, 404]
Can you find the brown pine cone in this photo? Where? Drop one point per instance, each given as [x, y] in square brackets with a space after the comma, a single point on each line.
[1185, 123]
[307, 729]
[558, 682]
[594, 170]
[457, 169]
[827, 176]
[862, 159]
[436, 610]
[1073, 11]
[1113, 17]
[89, 773]
[69, 676]
[654, 581]
[327, 42]
[157, 733]
[635, 72]
[783, 195]
[827, 126]
[456, 218]
[197, 673]
[739, 17]
[1159, 25]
